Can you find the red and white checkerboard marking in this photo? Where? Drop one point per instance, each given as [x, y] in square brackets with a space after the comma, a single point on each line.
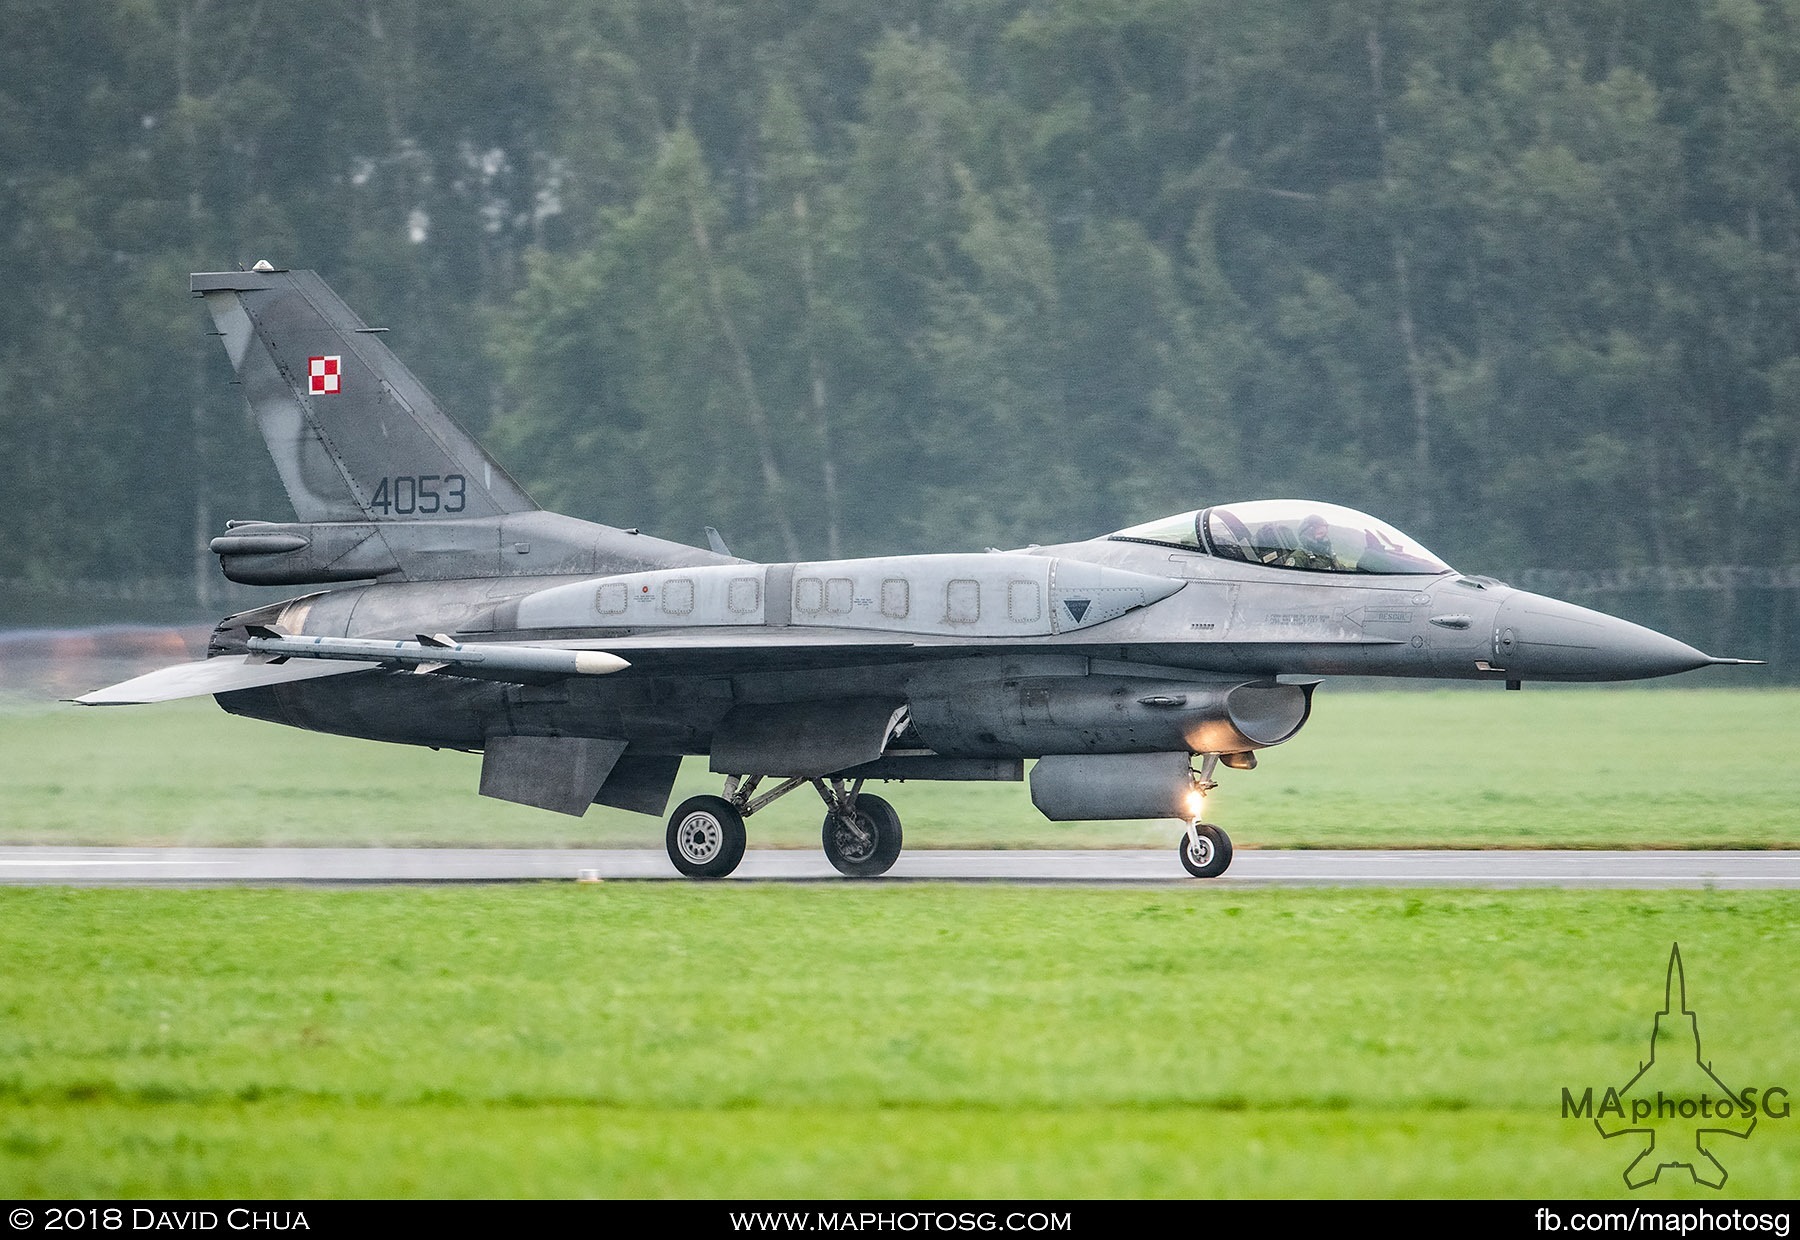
[322, 373]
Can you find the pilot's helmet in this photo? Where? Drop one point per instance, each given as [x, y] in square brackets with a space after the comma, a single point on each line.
[1315, 534]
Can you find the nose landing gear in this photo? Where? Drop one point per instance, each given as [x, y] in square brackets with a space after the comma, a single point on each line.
[1206, 850]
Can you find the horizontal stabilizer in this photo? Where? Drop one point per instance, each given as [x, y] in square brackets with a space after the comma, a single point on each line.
[224, 674]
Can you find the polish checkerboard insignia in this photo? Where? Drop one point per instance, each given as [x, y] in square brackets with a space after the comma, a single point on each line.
[322, 374]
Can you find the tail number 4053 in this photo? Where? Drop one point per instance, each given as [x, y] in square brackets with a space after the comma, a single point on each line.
[421, 494]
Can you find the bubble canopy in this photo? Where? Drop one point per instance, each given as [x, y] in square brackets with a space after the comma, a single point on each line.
[1290, 533]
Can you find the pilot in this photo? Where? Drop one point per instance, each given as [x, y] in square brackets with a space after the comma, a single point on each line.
[1314, 550]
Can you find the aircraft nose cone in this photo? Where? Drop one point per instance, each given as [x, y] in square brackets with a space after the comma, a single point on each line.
[1545, 638]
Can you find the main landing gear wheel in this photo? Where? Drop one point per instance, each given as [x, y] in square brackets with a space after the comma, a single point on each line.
[706, 837]
[1205, 850]
[865, 840]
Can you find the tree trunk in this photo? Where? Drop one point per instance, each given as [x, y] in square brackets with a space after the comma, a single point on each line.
[754, 413]
[205, 589]
[821, 410]
[1403, 313]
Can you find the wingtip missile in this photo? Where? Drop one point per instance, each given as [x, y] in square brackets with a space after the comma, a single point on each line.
[490, 660]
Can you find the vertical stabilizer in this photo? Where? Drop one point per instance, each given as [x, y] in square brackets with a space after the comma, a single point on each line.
[355, 436]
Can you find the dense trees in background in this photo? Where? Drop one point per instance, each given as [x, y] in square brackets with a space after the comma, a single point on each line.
[935, 274]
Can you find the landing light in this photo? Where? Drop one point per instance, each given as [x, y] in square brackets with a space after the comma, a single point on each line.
[1196, 804]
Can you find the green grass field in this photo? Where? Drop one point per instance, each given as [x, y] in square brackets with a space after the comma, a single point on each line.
[1614, 768]
[857, 1040]
[905, 1040]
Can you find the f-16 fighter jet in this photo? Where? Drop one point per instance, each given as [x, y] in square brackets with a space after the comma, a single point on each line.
[585, 661]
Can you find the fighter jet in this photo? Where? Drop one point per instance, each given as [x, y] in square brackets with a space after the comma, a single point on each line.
[584, 661]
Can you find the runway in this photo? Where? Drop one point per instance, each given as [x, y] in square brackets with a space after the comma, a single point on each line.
[190, 867]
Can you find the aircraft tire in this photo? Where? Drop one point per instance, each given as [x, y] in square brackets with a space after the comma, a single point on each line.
[858, 857]
[706, 837]
[1205, 850]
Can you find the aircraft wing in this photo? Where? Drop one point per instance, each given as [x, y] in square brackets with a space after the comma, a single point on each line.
[763, 649]
[276, 659]
[279, 659]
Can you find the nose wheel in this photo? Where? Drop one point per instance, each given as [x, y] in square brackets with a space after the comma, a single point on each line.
[1205, 850]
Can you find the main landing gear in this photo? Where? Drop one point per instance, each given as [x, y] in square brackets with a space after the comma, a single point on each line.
[862, 836]
[706, 837]
[1205, 850]
[861, 833]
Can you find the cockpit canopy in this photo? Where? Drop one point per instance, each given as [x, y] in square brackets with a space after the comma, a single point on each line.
[1288, 533]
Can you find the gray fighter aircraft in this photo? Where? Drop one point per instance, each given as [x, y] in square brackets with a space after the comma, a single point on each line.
[583, 661]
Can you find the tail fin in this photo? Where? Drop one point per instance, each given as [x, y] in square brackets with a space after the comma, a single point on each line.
[354, 435]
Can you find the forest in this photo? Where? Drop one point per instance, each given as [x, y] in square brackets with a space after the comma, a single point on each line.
[842, 278]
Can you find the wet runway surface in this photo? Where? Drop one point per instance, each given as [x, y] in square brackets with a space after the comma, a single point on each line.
[1250, 868]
